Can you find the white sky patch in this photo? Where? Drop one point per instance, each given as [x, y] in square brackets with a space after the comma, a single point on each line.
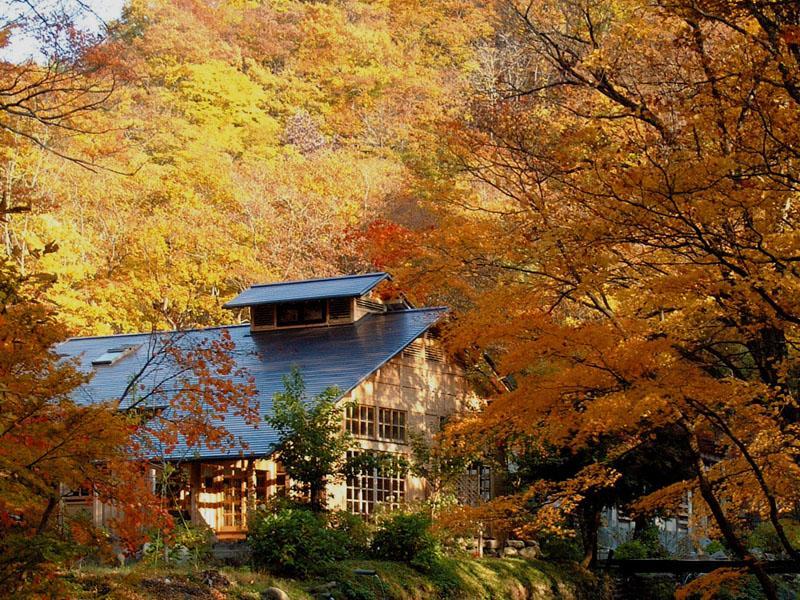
[23, 46]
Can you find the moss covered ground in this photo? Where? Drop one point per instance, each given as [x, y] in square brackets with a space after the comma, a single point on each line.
[462, 578]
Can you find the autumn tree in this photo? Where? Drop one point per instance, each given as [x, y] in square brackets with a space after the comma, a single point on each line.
[54, 444]
[274, 129]
[618, 221]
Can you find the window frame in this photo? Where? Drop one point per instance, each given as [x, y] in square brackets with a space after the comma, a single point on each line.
[401, 425]
[366, 490]
[371, 426]
[301, 306]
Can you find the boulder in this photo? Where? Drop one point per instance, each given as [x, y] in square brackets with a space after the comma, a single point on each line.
[509, 551]
[529, 552]
[518, 544]
[274, 593]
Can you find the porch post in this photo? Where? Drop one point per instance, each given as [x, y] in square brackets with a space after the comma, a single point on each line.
[250, 496]
[194, 492]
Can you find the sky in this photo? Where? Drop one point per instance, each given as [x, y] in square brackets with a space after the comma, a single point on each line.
[22, 46]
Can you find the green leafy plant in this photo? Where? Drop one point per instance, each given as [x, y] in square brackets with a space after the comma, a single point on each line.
[632, 549]
[560, 547]
[407, 537]
[765, 538]
[312, 444]
[356, 532]
[646, 544]
[294, 541]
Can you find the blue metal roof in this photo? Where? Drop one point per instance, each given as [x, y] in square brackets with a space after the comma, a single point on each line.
[347, 286]
[341, 356]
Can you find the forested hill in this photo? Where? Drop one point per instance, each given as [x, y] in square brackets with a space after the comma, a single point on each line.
[241, 141]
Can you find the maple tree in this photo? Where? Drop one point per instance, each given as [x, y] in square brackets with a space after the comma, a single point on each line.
[53, 445]
[618, 221]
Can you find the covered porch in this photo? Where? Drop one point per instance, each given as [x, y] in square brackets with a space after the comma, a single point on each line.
[219, 493]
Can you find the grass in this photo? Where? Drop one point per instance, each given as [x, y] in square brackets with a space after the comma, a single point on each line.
[454, 578]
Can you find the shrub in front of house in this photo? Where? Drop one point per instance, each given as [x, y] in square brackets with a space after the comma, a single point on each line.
[765, 538]
[294, 541]
[560, 547]
[631, 550]
[407, 537]
[354, 529]
[646, 545]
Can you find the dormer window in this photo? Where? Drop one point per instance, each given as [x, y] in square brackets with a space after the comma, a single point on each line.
[320, 302]
[311, 312]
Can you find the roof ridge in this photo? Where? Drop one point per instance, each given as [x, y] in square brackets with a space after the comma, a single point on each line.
[317, 279]
[157, 331]
[230, 326]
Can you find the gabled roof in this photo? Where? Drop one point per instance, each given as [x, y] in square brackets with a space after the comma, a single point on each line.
[347, 286]
[341, 356]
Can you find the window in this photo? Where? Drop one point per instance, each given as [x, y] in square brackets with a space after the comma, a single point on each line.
[392, 424]
[384, 485]
[301, 313]
[485, 483]
[280, 480]
[262, 315]
[339, 309]
[80, 494]
[360, 420]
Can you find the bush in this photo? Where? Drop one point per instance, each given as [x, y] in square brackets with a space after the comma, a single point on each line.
[555, 547]
[765, 537]
[632, 549]
[647, 544]
[197, 539]
[355, 530]
[294, 541]
[407, 537]
[715, 546]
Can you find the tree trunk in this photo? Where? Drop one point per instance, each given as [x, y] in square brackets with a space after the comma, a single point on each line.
[755, 566]
[52, 502]
[590, 526]
[317, 494]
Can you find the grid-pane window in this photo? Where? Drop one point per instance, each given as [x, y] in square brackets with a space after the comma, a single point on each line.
[378, 485]
[360, 420]
[485, 483]
[392, 424]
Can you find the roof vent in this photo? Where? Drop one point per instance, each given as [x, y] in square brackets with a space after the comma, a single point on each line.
[113, 355]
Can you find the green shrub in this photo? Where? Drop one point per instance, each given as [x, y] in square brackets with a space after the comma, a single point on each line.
[715, 546]
[765, 537]
[197, 539]
[354, 529]
[407, 537]
[186, 542]
[555, 547]
[632, 549]
[647, 544]
[294, 541]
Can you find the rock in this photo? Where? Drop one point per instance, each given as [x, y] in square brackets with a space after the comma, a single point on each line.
[518, 544]
[509, 551]
[529, 552]
[215, 579]
[274, 593]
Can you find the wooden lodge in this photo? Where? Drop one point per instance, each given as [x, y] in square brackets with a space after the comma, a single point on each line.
[382, 353]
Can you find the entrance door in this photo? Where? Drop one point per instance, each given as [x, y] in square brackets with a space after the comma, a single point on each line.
[233, 497]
